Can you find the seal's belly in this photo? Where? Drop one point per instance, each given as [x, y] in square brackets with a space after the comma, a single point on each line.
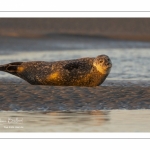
[58, 78]
[65, 79]
[69, 79]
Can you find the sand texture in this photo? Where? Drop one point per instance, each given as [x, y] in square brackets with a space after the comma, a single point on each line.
[55, 98]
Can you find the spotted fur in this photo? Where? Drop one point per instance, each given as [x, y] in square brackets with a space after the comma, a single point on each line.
[77, 72]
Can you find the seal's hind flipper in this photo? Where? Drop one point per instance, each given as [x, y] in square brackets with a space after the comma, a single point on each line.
[11, 67]
[2, 67]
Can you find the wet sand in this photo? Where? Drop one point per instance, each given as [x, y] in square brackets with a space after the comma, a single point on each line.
[54, 98]
[81, 121]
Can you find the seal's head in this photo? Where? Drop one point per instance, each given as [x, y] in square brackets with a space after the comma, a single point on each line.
[103, 64]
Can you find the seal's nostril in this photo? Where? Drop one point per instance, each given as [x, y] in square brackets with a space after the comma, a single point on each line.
[107, 63]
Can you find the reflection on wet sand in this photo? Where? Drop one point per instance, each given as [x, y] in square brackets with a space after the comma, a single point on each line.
[51, 121]
[87, 121]
[93, 118]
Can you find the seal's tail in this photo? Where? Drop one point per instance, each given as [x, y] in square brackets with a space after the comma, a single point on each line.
[11, 67]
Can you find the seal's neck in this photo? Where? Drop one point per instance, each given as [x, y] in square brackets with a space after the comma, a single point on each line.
[101, 69]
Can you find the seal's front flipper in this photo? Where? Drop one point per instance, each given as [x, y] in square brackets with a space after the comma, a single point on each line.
[11, 67]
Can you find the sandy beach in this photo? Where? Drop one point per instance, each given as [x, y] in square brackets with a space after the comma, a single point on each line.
[26, 97]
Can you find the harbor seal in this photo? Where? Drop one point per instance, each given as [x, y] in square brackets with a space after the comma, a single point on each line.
[78, 72]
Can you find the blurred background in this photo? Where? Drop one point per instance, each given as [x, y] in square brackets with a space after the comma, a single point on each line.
[116, 28]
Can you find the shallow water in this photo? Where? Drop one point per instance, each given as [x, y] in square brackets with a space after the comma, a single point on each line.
[88, 121]
[131, 64]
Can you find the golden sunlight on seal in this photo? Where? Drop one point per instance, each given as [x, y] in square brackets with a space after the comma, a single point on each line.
[78, 72]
